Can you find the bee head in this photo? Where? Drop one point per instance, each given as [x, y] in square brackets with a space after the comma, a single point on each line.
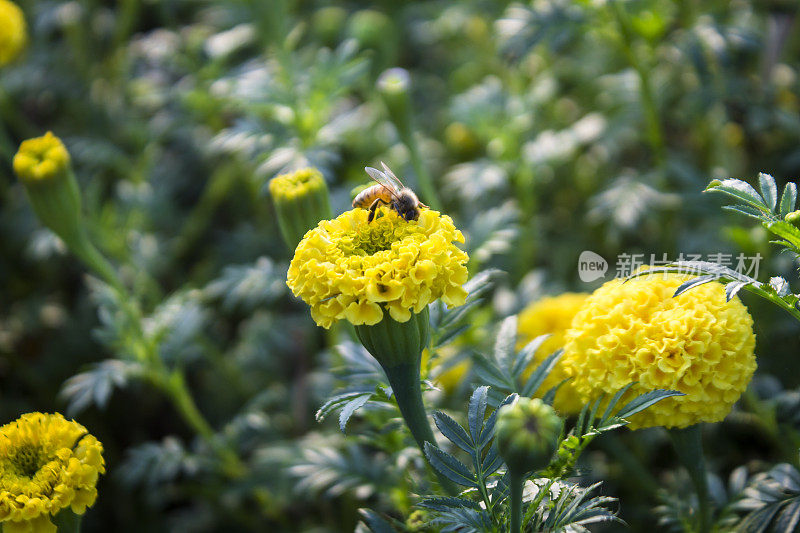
[406, 206]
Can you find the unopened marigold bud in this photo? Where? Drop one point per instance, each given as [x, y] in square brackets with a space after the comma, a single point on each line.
[527, 433]
[43, 166]
[394, 86]
[301, 201]
[13, 32]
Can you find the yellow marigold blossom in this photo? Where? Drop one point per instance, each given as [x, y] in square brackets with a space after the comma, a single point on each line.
[47, 464]
[696, 343]
[13, 32]
[552, 315]
[41, 158]
[346, 268]
[297, 184]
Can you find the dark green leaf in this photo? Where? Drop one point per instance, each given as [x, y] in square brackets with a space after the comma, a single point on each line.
[488, 429]
[525, 356]
[445, 503]
[453, 431]
[644, 401]
[375, 522]
[449, 466]
[538, 376]
[732, 288]
[477, 412]
[746, 210]
[506, 341]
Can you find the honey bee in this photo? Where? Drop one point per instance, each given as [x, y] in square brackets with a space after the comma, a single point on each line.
[388, 190]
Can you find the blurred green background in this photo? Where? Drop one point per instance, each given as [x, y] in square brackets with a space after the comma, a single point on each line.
[548, 128]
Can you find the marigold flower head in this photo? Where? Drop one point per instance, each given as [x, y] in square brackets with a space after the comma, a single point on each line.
[47, 463]
[552, 315]
[696, 343]
[13, 32]
[347, 268]
[41, 158]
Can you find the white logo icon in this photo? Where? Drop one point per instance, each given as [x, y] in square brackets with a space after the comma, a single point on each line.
[591, 266]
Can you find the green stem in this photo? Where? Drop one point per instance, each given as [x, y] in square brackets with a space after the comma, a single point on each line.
[404, 379]
[423, 176]
[178, 392]
[655, 134]
[517, 481]
[688, 445]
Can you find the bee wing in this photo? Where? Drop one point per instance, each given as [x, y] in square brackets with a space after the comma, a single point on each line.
[382, 179]
[389, 174]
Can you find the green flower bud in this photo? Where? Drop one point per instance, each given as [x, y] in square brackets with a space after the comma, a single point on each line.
[375, 31]
[301, 201]
[394, 87]
[43, 167]
[327, 24]
[527, 433]
[793, 218]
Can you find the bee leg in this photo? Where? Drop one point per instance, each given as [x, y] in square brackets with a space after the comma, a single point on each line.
[374, 207]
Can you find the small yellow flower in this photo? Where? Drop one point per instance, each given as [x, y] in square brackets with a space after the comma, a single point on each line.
[696, 343]
[13, 32]
[47, 464]
[350, 269]
[41, 158]
[552, 315]
[297, 184]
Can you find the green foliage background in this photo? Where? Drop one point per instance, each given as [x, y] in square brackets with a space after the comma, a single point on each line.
[548, 128]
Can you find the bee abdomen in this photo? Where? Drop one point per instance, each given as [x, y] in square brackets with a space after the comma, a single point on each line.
[365, 198]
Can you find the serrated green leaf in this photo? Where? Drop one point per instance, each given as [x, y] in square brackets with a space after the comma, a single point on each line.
[538, 376]
[644, 401]
[443, 503]
[351, 407]
[769, 191]
[527, 353]
[694, 282]
[732, 288]
[488, 429]
[453, 431]
[449, 466]
[477, 412]
[738, 189]
[746, 210]
[788, 199]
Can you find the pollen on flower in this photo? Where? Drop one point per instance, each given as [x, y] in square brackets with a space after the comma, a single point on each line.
[553, 316]
[47, 464]
[350, 269]
[13, 32]
[41, 158]
[696, 343]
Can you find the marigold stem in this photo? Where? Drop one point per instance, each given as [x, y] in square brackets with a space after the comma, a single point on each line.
[517, 482]
[688, 445]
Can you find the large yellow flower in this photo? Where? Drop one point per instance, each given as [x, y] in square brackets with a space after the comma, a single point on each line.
[47, 464]
[13, 32]
[552, 315]
[696, 343]
[349, 268]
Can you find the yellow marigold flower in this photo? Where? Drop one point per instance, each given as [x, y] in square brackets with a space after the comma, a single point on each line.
[41, 158]
[349, 269]
[552, 315]
[13, 32]
[47, 464]
[696, 343]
